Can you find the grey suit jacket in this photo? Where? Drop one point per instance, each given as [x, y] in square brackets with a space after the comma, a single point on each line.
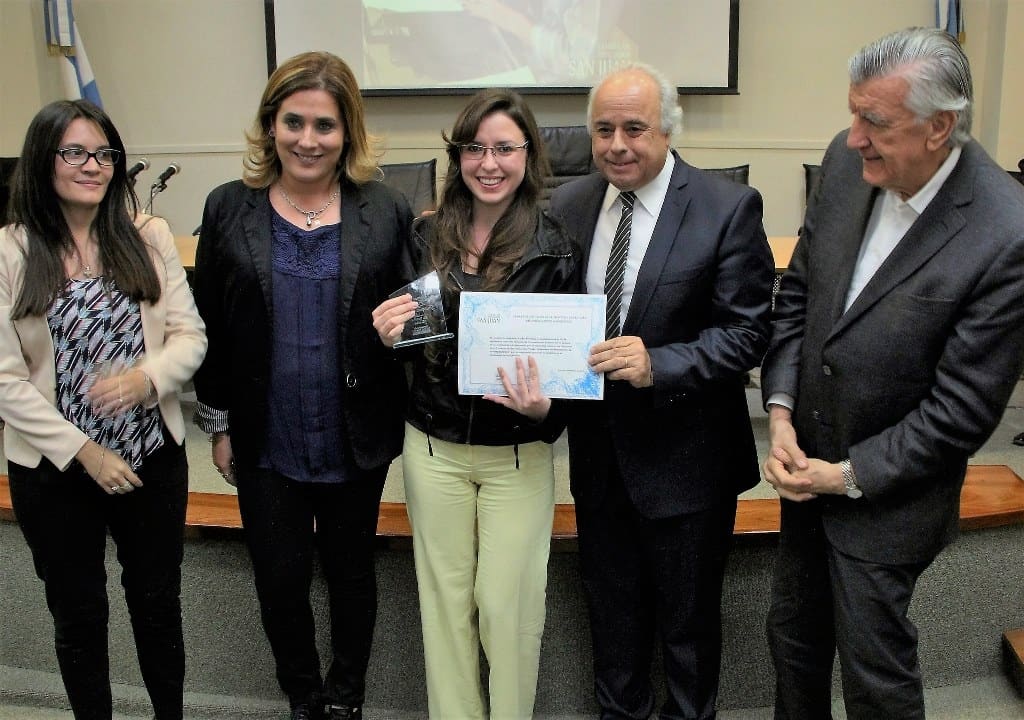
[700, 305]
[914, 377]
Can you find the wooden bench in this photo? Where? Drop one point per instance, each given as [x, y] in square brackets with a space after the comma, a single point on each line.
[993, 495]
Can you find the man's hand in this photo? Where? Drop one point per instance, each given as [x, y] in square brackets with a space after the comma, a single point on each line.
[823, 478]
[793, 475]
[623, 358]
[785, 457]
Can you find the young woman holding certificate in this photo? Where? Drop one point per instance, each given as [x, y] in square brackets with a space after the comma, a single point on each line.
[478, 471]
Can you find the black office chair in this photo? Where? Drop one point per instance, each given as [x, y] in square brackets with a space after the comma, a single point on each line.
[812, 174]
[568, 151]
[738, 173]
[417, 181]
[1018, 174]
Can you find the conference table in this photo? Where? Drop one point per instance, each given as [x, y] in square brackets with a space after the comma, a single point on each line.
[187, 250]
[782, 250]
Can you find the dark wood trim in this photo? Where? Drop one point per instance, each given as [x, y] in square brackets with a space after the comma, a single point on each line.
[993, 495]
[1013, 658]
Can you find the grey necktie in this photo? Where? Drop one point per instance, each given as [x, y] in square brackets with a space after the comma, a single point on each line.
[616, 270]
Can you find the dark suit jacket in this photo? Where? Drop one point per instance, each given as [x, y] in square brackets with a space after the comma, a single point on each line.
[701, 307]
[234, 296]
[914, 377]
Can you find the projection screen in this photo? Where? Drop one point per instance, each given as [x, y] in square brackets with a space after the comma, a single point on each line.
[401, 47]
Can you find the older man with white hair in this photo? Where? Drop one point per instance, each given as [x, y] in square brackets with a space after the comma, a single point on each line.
[656, 466]
[898, 337]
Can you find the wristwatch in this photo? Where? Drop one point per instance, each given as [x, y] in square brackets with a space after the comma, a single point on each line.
[853, 490]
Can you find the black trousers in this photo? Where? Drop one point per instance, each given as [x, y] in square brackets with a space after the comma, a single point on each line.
[644, 577]
[65, 517]
[823, 601]
[285, 523]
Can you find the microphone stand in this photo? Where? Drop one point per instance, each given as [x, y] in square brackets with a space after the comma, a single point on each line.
[156, 188]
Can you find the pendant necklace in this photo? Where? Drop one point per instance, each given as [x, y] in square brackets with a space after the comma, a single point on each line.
[84, 267]
[311, 215]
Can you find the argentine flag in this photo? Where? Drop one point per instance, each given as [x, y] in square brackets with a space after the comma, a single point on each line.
[65, 42]
[949, 15]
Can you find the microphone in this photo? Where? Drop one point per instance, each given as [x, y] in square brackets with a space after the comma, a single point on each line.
[172, 169]
[161, 184]
[142, 164]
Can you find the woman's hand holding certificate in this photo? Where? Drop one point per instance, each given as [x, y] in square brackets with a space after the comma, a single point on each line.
[497, 330]
[524, 396]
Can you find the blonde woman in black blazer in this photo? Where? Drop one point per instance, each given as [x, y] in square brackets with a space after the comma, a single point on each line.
[303, 402]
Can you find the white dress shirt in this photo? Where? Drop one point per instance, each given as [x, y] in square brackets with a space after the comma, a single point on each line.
[890, 219]
[646, 209]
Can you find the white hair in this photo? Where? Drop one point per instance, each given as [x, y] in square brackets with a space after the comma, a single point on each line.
[671, 113]
[935, 68]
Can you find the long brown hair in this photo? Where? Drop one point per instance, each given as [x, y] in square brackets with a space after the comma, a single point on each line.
[311, 71]
[34, 206]
[515, 229]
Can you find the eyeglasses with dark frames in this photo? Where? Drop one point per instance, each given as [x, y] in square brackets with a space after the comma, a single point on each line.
[77, 156]
[475, 151]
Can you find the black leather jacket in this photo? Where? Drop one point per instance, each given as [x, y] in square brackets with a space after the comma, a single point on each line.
[552, 263]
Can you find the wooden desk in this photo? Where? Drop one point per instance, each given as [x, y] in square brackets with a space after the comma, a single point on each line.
[782, 251]
[187, 250]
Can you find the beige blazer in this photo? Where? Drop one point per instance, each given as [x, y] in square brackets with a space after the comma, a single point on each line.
[173, 333]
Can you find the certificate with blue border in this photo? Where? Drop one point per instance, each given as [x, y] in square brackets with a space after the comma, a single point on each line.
[558, 330]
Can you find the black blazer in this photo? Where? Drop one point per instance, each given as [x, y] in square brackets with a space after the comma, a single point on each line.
[233, 294]
[914, 377]
[701, 306]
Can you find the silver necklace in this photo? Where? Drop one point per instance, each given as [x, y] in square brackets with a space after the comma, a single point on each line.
[83, 267]
[311, 215]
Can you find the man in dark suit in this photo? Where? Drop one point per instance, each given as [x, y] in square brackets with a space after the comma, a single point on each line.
[898, 336]
[656, 466]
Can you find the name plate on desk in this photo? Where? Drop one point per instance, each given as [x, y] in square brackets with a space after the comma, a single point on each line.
[558, 330]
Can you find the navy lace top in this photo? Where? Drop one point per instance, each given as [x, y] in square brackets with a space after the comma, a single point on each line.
[304, 427]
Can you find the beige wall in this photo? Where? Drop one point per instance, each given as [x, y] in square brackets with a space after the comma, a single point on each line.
[1008, 147]
[181, 78]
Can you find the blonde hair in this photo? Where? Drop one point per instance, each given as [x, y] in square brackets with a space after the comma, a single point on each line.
[311, 71]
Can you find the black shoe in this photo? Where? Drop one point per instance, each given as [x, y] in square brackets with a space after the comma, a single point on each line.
[342, 712]
[303, 711]
[1018, 439]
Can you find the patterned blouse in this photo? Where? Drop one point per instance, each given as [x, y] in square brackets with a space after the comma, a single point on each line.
[97, 328]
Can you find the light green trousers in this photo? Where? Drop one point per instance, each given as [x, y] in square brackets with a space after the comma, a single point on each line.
[481, 536]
